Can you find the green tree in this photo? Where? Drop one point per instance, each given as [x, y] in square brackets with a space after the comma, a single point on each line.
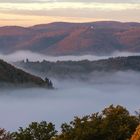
[114, 123]
[36, 131]
[117, 123]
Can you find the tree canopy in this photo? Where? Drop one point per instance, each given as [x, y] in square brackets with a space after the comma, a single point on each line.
[113, 123]
[36, 131]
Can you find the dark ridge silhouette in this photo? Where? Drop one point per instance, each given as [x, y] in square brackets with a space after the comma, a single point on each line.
[11, 76]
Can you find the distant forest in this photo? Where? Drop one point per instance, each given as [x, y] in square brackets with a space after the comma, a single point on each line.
[71, 69]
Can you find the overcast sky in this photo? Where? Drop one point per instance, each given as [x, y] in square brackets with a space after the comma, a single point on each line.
[30, 12]
[101, 1]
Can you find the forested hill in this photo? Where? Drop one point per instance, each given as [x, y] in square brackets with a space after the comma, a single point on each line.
[61, 38]
[11, 76]
[85, 67]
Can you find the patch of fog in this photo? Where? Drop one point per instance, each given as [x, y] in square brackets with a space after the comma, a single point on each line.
[32, 56]
[70, 98]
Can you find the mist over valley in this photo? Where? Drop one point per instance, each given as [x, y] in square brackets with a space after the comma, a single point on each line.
[69, 98]
[80, 88]
[61, 70]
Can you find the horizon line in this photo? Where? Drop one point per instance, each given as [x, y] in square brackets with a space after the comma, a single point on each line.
[28, 26]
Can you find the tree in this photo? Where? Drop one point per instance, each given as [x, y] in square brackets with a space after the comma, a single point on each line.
[114, 123]
[49, 82]
[5, 135]
[117, 123]
[36, 131]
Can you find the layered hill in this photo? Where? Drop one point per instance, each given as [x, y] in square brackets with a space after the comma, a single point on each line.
[11, 76]
[62, 38]
[81, 69]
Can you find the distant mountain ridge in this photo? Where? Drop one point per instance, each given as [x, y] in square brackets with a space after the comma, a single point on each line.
[84, 68]
[61, 38]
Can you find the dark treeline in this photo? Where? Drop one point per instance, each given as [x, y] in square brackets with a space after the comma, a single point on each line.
[64, 69]
[113, 123]
[11, 76]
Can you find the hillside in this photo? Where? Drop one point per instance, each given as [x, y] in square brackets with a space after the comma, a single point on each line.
[73, 69]
[62, 38]
[11, 76]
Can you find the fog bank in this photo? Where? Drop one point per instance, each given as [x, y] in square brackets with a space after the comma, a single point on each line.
[70, 98]
[23, 55]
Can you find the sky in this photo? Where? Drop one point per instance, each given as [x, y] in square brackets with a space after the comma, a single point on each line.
[31, 12]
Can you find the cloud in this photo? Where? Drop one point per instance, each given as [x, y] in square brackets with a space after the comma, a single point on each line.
[23, 55]
[68, 5]
[26, 1]
[127, 10]
[71, 98]
[85, 1]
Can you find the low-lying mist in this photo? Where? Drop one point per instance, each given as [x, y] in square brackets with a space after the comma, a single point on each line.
[69, 98]
[32, 56]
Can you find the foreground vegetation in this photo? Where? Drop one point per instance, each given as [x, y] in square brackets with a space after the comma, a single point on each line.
[113, 123]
